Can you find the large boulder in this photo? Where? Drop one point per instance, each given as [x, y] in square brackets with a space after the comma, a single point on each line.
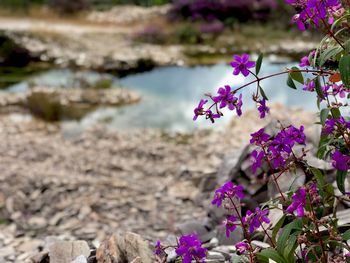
[123, 248]
[11, 53]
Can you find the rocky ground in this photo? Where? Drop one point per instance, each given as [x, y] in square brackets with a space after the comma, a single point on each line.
[91, 185]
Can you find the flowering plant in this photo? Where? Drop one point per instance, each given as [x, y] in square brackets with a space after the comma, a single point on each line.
[306, 230]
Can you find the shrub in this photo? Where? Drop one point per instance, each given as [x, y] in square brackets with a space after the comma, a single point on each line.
[68, 7]
[308, 229]
[188, 34]
[242, 10]
[151, 34]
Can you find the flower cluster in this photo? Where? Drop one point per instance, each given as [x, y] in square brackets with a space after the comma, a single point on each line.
[303, 209]
[340, 161]
[253, 220]
[298, 202]
[276, 150]
[302, 197]
[333, 89]
[228, 190]
[315, 12]
[335, 124]
[199, 110]
[190, 248]
[226, 96]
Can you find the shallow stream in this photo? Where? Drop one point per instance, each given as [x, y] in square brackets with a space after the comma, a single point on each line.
[170, 94]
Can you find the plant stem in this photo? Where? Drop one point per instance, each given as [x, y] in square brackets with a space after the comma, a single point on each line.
[245, 233]
[324, 256]
[282, 73]
[273, 175]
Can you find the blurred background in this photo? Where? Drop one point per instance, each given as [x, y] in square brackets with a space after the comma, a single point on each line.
[96, 108]
[88, 44]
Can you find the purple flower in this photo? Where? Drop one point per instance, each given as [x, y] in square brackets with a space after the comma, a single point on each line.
[298, 202]
[248, 220]
[313, 193]
[263, 109]
[259, 137]
[190, 248]
[329, 126]
[225, 98]
[332, 124]
[254, 220]
[257, 160]
[239, 104]
[310, 86]
[281, 143]
[230, 224]
[313, 11]
[339, 90]
[325, 91]
[241, 64]
[278, 160]
[210, 115]
[199, 110]
[242, 246]
[158, 248]
[340, 161]
[296, 134]
[304, 62]
[301, 21]
[228, 190]
[278, 149]
[261, 216]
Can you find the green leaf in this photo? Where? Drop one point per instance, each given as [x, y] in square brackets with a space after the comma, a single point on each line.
[290, 82]
[290, 248]
[338, 21]
[262, 92]
[278, 227]
[237, 259]
[272, 254]
[346, 235]
[322, 147]
[258, 64]
[283, 238]
[319, 178]
[318, 175]
[335, 113]
[296, 75]
[347, 46]
[324, 115]
[341, 175]
[329, 53]
[319, 89]
[344, 68]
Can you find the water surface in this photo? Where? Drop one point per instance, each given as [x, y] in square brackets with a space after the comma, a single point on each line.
[170, 94]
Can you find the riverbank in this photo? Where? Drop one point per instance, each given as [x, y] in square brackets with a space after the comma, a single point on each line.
[102, 42]
[90, 185]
